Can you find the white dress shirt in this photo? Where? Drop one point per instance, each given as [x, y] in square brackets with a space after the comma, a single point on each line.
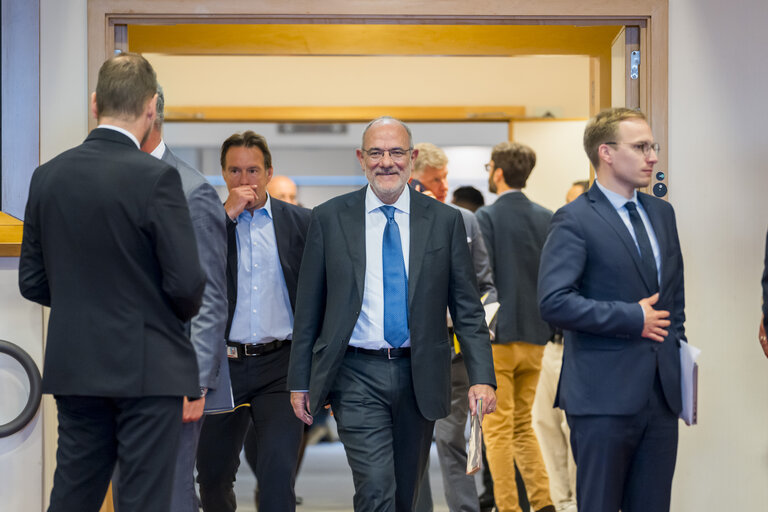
[123, 131]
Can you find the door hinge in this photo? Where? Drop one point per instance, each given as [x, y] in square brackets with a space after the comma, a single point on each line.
[634, 65]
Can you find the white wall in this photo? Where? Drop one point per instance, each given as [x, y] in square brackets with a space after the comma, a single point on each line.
[718, 183]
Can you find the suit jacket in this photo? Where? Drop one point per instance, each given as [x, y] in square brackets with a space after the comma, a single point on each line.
[479, 253]
[589, 284]
[108, 244]
[291, 223]
[206, 329]
[440, 276]
[765, 285]
[515, 229]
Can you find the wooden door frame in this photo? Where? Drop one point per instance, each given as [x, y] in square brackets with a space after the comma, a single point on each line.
[105, 18]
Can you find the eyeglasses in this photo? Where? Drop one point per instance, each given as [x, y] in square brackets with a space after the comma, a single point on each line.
[641, 147]
[488, 168]
[396, 154]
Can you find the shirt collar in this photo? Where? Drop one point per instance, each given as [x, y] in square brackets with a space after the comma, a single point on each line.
[159, 151]
[246, 215]
[617, 200]
[123, 131]
[403, 203]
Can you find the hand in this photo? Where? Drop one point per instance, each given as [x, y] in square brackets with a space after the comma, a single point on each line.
[488, 396]
[192, 411]
[241, 198]
[655, 321]
[762, 337]
[300, 404]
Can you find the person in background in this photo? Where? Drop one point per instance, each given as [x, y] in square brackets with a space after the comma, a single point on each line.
[265, 242]
[380, 268]
[206, 329]
[515, 229]
[430, 171]
[611, 277]
[764, 322]
[468, 197]
[284, 189]
[104, 227]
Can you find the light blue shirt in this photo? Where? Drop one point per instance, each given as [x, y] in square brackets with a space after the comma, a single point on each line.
[618, 201]
[263, 312]
[369, 329]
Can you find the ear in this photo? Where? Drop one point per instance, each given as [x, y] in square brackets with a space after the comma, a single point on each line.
[414, 154]
[497, 175]
[94, 111]
[151, 111]
[270, 172]
[604, 153]
[360, 158]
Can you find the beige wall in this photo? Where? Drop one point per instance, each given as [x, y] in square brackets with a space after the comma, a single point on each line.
[717, 183]
[540, 83]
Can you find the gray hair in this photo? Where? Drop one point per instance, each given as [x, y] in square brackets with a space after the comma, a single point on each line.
[160, 106]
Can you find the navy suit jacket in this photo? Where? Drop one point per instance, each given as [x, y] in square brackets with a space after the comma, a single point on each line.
[440, 276]
[589, 285]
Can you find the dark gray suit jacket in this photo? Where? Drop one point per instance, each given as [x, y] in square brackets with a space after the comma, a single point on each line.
[441, 276]
[109, 246]
[515, 229]
[589, 285]
[206, 329]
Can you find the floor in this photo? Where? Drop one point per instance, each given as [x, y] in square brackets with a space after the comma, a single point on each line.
[325, 482]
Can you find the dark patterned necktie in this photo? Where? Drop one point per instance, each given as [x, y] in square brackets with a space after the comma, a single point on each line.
[650, 272]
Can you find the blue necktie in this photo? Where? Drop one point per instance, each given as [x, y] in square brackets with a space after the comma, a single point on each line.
[646, 252]
[395, 282]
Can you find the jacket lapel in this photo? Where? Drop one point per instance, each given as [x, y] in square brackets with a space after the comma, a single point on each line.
[605, 209]
[352, 220]
[421, 218]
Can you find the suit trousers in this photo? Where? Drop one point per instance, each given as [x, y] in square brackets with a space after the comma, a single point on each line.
[385, 437]
[183, 496]
[509, 435]
[259, 386]
[95, 433]
[551, 427]
[626, 462]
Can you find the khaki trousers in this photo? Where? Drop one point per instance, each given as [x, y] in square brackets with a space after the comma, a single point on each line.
[509, 435]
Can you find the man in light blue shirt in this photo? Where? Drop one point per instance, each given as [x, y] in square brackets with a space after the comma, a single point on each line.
[265, 244]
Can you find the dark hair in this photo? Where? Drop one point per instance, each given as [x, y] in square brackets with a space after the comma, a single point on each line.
[246, 139]
[126, 82]
[604, 127]
[515, 160]
[468, 197]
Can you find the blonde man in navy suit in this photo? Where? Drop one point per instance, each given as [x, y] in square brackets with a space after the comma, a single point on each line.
[611, 277]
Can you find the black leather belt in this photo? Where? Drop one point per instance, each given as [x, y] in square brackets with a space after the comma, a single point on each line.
[386, 353]
[243, 350]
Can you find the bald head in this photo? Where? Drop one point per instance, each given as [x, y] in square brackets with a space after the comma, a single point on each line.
[283, 188]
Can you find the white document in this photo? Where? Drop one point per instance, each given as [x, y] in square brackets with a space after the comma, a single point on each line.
[689, 382]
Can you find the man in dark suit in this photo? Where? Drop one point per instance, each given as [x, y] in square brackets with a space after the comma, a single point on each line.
[371, 337]
[206, 329]
[109, 246]
[515, 228]
[265, 243]
[611, 276]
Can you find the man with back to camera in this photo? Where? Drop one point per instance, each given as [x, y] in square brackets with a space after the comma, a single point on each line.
[371, 336]
[108, 244]
[612, 278]
[430, 172]
[549, 422]
[265, 239]
[206, 329]
[515, 228]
